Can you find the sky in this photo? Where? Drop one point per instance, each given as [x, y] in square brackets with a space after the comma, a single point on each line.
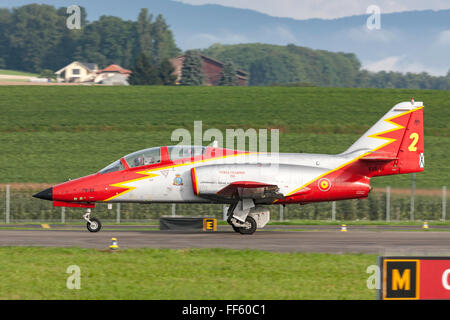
[325, 9]
[431, 61]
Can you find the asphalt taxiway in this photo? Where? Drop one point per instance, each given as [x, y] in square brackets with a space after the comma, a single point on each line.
[381, 240]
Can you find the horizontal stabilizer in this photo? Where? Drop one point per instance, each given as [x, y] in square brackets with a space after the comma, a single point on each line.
[379, 157]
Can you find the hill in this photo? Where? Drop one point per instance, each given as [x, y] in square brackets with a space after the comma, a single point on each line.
[51, 134]
[300, 66]
[269, 64]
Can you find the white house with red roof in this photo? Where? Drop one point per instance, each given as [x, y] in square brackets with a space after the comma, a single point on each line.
[77, 72]
[89, 73]
[112, 72]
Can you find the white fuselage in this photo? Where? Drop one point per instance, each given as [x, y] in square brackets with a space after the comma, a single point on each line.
[288, 171]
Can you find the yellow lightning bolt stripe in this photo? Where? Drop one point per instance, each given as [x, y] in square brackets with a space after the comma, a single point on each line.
[389, 120]
[123, 185]
[396, 127]
[149, 173]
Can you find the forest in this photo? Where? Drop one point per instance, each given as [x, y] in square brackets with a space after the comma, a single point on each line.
[35, 37]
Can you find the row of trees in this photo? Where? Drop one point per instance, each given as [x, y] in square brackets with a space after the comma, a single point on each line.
[269, 64]
[295, 65]
[149, 72]
[383, 79]
[35, 37]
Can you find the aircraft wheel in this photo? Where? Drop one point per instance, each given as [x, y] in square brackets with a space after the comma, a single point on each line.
[251, 229]
[236, 229]
[94, 226]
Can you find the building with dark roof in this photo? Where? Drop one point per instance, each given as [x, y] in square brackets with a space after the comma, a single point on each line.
[212, 70]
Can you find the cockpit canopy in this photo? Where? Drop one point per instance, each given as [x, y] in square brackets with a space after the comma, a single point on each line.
[115, 166]
[143, 157]
[181, 152]
[153, 156]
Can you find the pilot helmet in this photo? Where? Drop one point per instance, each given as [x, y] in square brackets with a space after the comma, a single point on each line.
[139, 161]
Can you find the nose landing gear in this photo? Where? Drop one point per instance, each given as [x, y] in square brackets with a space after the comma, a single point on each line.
[93, 224]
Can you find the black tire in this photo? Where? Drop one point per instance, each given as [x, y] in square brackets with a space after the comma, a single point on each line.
[94, 226]
[252, 228]
[236, 229]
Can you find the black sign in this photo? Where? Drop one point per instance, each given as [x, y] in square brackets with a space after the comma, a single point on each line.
[400, 279]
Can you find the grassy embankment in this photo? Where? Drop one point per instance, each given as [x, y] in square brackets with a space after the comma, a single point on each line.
[40, 273]
[49, 134]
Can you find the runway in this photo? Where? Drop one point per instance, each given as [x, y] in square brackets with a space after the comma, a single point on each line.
[324, 239]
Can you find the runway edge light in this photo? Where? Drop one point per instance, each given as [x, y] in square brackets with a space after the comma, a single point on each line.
[114, 244]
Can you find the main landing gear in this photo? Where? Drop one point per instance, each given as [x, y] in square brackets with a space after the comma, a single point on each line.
[93, 224]
[248, 226]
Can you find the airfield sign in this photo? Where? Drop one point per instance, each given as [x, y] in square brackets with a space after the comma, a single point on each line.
[413, 278]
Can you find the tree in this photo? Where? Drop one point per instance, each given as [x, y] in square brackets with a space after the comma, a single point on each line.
[143, 72]
[64, 51]
[155, 38]
[163, 43]
[165, 71]
[146, 73]
[34, 31]
[228, 75]
[5, 23]
[108, 40]
[144, 32]
[192, 71]
[47, 73]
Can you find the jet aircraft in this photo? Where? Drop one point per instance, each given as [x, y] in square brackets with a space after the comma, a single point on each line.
[249, 181]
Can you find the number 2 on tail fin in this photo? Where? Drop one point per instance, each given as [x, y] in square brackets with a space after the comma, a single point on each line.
[415, 138]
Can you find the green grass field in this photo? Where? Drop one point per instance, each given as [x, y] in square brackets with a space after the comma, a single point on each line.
[206, 274]
[17, 73]
[50, 134]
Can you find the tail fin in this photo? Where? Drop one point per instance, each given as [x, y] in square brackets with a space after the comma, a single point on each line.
[397, 137]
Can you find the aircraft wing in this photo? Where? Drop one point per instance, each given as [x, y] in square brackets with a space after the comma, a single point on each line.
[214, 183]
[249, 189]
